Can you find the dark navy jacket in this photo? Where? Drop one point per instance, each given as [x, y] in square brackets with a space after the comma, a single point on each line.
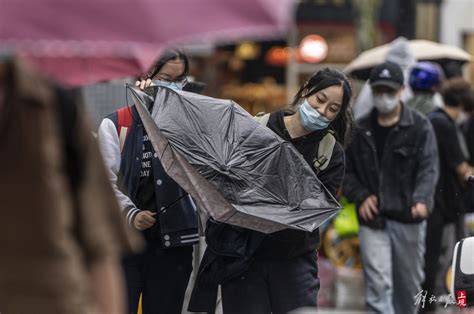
[177, 221]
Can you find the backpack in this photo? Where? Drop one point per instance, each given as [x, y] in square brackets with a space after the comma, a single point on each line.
[326, 146]
[124, 122]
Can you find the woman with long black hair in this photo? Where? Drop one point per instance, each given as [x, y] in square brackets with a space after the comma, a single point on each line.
[277, 273]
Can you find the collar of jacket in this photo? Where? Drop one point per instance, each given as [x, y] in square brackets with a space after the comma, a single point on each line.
[406, 118]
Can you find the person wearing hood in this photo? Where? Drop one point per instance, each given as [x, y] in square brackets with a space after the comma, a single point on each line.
[151, 201]
[392, 168]
[400, 53]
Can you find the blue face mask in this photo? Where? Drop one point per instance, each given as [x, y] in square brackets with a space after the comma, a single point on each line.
[173, 85]
[311, 119]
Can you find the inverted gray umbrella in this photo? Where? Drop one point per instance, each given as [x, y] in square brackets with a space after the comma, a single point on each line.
[237, 170]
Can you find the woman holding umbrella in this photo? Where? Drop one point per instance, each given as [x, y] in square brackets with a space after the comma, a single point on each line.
[151, 201]
[278, 273]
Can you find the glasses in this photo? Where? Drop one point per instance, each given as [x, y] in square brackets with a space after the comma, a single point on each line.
[179, 81]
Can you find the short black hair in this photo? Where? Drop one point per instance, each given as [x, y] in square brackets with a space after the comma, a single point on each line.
[468, 102]
[455, 92]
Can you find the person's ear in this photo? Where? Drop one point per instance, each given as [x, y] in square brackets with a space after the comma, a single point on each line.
[400, 90]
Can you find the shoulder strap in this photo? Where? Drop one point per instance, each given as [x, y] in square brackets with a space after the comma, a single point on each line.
[262, 118]
[326, 147]
[124, 121]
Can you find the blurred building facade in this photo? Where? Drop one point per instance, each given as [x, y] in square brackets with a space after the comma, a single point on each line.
[263, 75]
[457, 28]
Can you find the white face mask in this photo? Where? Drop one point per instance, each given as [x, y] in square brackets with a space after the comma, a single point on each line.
[385, 103]
[173, 85]
[311, 119]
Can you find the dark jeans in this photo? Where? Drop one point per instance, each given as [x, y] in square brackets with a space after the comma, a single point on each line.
[434, 234]
[273, 286]
[161, 276]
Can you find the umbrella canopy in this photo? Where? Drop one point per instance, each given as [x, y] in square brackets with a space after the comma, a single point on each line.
[423, 50]
[81, 42]
[237, 170]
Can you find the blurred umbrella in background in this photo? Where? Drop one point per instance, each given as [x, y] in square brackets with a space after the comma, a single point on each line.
[423, 50]
[82, 42]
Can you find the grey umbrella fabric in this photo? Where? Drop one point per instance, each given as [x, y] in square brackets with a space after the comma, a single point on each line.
[237, 170]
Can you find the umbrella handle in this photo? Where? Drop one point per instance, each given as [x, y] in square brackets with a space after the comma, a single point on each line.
[170, 205]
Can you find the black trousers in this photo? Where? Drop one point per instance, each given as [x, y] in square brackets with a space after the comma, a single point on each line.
[161, 276]
[273, 286]
[434, 233]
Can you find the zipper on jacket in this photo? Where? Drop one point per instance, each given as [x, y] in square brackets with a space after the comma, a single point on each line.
[389, 135]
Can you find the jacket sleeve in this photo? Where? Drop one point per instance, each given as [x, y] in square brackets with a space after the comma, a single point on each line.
[352, 188]
[427, 161]
[448, 143]
[109, 144]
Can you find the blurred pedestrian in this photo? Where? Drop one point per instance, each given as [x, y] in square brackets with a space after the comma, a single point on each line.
[279, 272]
[468, 130]
[399, 52]
[61, 231]
[424, 79]
[454, 173]
[151, 201]
[392, 168]
[468, 126]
